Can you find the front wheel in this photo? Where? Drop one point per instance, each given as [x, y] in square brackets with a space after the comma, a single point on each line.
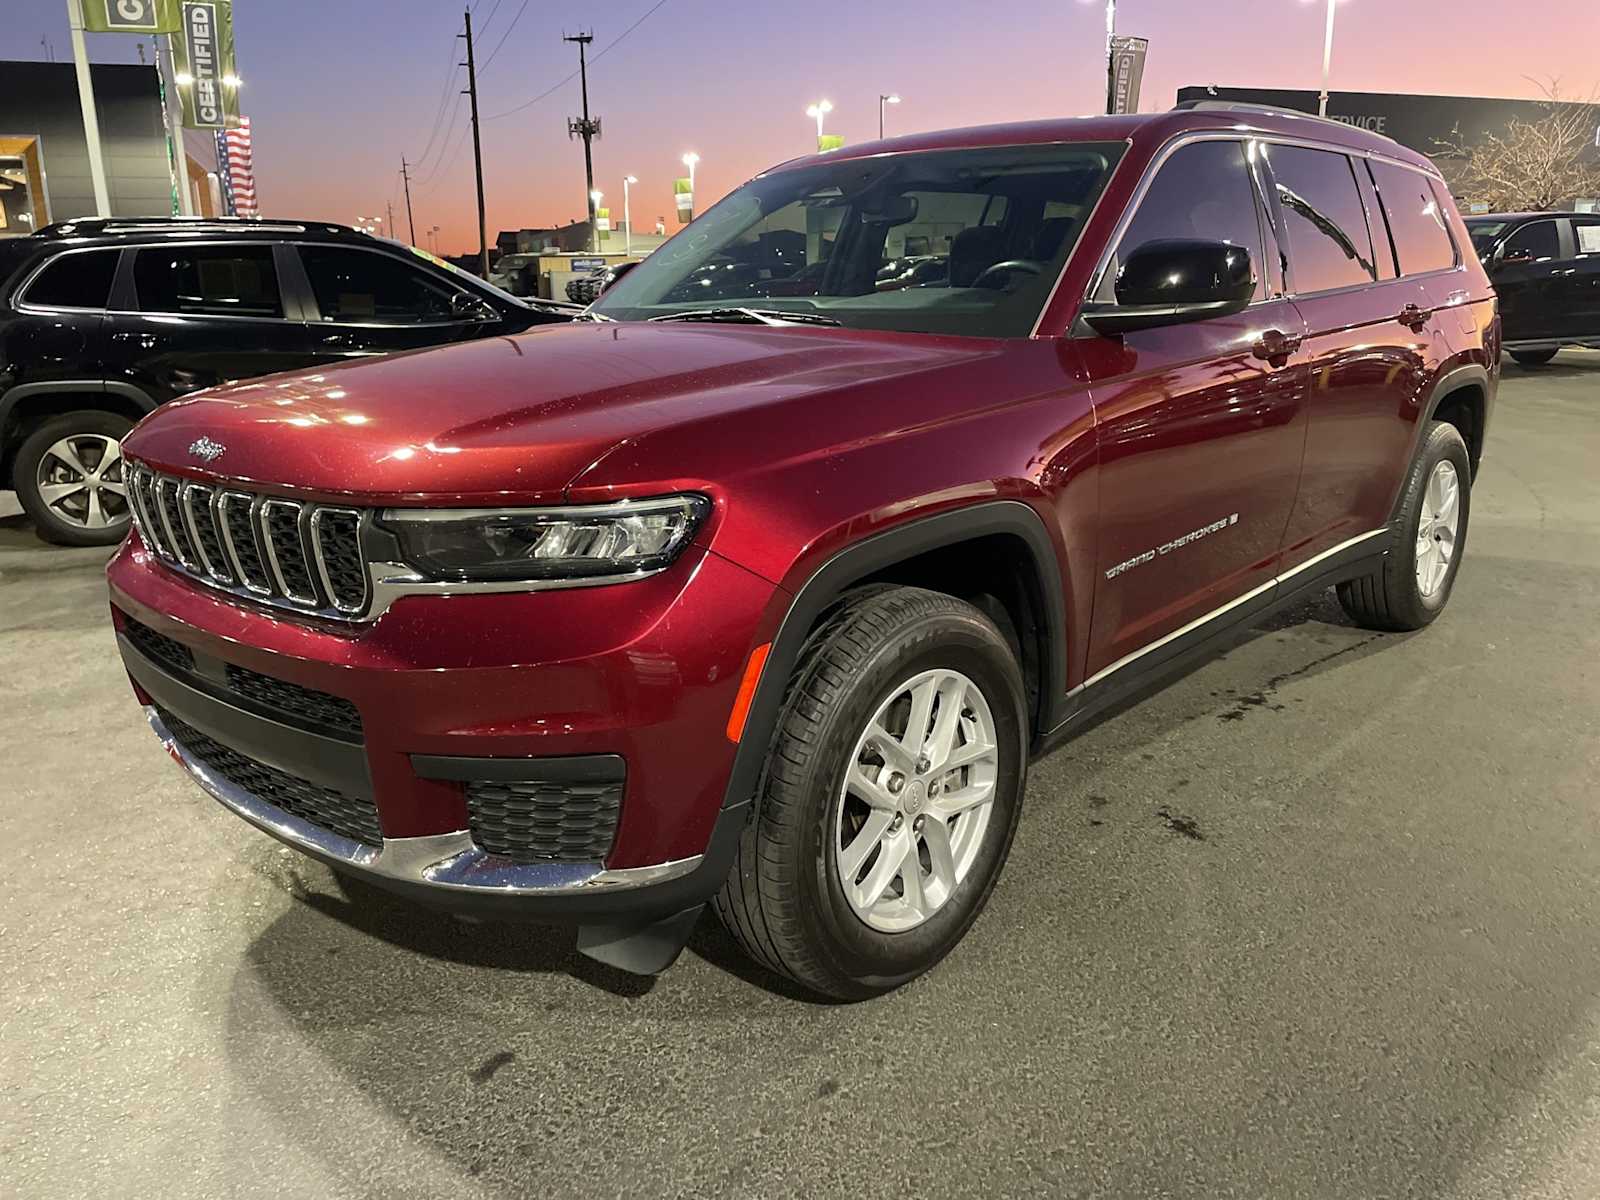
[69, 480]
[1411, 587]
[890, 796]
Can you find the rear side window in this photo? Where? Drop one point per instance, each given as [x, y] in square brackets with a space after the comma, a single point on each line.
[1587, 230]
[1329, 246]
[1202, 191]
[232, 281]
[1537, 241]
[1421, 238]
[364, 287]
[81, 280]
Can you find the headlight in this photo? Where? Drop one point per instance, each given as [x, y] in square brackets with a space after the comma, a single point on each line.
[597, 542]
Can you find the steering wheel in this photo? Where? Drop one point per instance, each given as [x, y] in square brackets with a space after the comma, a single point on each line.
[1025, 266]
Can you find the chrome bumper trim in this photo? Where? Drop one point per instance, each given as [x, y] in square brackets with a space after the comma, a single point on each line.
[447, 861]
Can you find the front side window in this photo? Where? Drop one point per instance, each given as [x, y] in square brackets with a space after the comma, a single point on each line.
[1329, 246]
[1483, 234]
[1421, 238]
[233, 281]
[81, 280]
[367, 288]
[1538, 241]
[948, 242]
[1202, 192]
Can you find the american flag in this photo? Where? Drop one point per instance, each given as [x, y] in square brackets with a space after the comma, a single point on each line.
[238, 173]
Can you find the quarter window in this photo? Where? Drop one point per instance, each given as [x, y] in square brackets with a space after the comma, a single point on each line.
[1537, 241]
[1329, 245]
[75, 281]
[1588, 234]
[367, 288]
[1421, 238]
[1202, 191]
[233, 281]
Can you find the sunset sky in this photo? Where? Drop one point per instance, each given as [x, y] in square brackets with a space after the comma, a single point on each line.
[338, 90]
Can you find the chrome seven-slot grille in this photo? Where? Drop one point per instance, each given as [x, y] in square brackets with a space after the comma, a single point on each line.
[287, 553]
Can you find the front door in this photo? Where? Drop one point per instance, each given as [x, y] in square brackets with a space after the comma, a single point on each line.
[1527, 278]
[1201, 425]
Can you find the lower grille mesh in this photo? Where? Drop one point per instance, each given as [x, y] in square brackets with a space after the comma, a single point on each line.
[324, 807]
[541, 820]
[305, 705]
[158, 646]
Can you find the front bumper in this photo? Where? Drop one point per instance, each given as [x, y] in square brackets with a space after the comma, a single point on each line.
[542, 680]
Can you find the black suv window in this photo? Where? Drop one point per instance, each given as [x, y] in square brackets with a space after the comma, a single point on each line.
[1202, 191]
[1421, 238]
[1329, 246]
[1537, 240]
[80, 280]
[233, 281]
[1587, 232]
[369, 288]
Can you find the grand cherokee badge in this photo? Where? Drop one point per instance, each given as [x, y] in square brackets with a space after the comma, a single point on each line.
[204, 447]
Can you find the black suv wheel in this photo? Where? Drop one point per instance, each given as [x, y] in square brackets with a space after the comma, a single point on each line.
[890, 796]
[1532, 358]
[68, 476]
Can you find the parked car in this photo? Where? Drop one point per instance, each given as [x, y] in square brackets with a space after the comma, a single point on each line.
[586, 289]
[103, 320]
[1546, 268]
[767, 601]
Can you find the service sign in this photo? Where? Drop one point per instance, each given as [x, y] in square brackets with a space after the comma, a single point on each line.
[130, 16]
[203, 55]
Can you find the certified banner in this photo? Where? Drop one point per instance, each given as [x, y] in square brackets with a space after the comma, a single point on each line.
[202, 52]
[681, 191]
[602, 220]
[829, 141]
[1127, 72]
[130, 16]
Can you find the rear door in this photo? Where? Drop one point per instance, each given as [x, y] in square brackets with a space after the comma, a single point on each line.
[197, 315]
[1527, 275]
[60, 334]
[362, 302]
[1365, 352]
[1581, 281]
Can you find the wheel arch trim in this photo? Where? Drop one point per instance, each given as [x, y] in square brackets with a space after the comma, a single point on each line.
[885, 549]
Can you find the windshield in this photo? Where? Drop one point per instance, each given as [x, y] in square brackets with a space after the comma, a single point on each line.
[1483, 234]
[951, 242]
[470, 280]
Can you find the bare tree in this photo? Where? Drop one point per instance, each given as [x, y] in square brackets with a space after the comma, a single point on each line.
[1532, 165]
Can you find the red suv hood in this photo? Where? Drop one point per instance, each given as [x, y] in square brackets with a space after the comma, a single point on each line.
[507, 419]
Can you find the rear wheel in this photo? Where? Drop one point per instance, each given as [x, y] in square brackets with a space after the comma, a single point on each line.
[890, 796]
[69, 480]
[1532, 358]
[1412, 586]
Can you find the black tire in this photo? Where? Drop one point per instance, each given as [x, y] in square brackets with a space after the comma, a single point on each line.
[1532, 358]
[50, 525]
[783, 900]
[1391, 598]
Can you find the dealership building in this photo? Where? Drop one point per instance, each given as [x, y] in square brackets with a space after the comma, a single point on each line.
[1427, 124]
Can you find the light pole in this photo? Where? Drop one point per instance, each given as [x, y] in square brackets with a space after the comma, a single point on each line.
[1327, 61]
[1111, 56]
[819, 110]
[884, 98]
[369, 225]
[595, 196]
[627, 216]
[434, 233]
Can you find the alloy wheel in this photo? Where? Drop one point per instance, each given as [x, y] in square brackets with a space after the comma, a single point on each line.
[916, 800]
[80, 480]
[1437, 525]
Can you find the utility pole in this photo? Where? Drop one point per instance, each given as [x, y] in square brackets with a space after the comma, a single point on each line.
[390, 206]
[588, 130]
[411, 221]
[91, 119]
[477, 147]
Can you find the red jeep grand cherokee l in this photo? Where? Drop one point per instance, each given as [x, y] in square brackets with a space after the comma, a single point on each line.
[761, 585]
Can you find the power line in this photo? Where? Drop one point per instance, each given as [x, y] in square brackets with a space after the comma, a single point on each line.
[611, 45]
[444, 98]
[503, 37]
[487, 19]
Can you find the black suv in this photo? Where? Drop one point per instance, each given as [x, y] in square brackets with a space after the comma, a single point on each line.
[1546, 268]
[102, 320]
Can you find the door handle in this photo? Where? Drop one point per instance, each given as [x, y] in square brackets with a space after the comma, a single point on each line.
[1414, 316]
[1275, 345]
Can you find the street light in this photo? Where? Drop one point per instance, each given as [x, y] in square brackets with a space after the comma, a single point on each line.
[627, 216]
[689, 161]
[883, 99]
[819, 110]
[1327, 60]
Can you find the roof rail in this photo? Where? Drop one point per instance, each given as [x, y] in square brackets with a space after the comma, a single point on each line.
[182, 225]
[1273, 110]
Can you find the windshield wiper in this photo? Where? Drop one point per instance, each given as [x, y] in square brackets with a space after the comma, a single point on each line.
[749, 316]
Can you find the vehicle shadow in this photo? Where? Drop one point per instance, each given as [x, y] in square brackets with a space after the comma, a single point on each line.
[1563, 366]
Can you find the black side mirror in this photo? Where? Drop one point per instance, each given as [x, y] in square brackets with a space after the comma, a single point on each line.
[1175, 280]
[464, 306]
[616, 273]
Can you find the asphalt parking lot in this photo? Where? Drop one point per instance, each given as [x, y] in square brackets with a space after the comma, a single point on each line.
[1318, 920]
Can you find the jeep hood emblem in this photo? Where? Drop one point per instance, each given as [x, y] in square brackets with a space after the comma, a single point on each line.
[204, 447]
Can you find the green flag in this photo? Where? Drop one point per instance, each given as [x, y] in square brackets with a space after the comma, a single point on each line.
[683, 192]
[202, 53]
[130, 16]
